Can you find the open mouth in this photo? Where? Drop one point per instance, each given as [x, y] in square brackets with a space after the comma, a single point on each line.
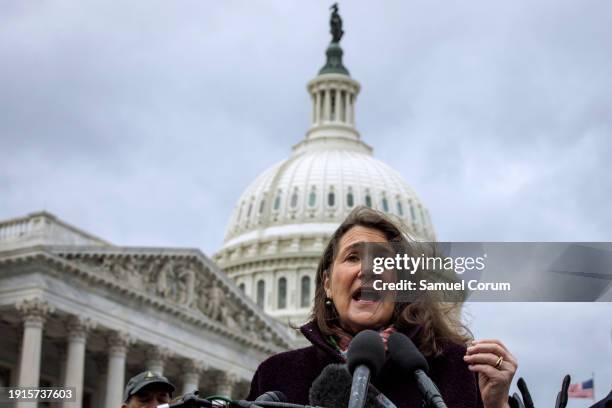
[366, 294]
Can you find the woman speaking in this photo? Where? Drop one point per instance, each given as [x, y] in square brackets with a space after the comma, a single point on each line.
[467, 373]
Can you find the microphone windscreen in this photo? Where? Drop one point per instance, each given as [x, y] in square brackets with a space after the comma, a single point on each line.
[332, 388]
[405, 354]
[367, 349]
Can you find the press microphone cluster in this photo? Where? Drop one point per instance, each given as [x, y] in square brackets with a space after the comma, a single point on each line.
[348, 385]
[332, 388]
[365, 358]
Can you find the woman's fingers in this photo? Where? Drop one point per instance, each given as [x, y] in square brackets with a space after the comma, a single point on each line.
[494, 341]
[487, 370]
[491, 347]
[482, 358]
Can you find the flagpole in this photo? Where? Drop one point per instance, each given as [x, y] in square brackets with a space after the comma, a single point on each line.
[593, 375]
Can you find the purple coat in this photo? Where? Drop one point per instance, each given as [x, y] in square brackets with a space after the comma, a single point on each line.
[293, 372]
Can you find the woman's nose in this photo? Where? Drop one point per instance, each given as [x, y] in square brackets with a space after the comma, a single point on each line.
[359, 270]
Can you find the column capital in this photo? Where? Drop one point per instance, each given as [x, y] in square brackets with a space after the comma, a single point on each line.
[194, 367]
[79, 327]
[119, 342]
[158, 353]
[34, 311]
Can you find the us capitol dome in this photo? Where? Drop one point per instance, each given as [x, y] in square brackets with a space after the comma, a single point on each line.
[285, 217]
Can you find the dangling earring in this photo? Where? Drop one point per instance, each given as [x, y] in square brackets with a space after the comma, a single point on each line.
[328, 302]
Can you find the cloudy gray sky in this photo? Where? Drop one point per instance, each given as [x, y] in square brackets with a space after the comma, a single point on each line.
[143, 121]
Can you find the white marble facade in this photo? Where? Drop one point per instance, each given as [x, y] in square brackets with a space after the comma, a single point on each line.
[76, 310]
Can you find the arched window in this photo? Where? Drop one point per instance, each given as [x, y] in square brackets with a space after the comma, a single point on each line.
[422, 215]
[305, 292]
[412, 213]
[400, 209]
[261, 205]
[385, 204]
[331, 199]
[249, 210]
[368, 200]
[261, 293]
[350, 199]
[240, 211]
[312, 198]
[241, 287]
[277, 200]
[282, 293]
[294, 199]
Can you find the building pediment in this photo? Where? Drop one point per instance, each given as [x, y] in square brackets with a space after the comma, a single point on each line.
[181, 282]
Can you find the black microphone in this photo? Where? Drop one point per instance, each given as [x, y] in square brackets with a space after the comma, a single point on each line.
[332, 388]
[410, 360]
[522, 386]
[562, 395]
[365, 357]
[515, 401]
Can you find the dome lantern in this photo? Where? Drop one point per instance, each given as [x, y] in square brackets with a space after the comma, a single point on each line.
[333, 92]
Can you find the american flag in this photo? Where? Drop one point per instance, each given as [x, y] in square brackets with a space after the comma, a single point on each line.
[581, 390]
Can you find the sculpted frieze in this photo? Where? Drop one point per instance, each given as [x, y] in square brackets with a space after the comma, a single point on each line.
[182, 281]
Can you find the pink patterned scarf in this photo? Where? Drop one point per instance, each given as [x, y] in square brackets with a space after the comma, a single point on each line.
[343, 341]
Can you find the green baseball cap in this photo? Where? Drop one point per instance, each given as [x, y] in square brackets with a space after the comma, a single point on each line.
[139, 381]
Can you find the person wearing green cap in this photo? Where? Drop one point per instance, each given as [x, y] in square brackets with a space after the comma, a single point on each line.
[147, 390]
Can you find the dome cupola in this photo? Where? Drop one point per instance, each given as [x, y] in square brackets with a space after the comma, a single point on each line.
[282, 221]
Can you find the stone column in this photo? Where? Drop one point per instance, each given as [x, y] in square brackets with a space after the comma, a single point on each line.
[313, 117]
[156, 358]
[78, 328]
[115, 380]
[34, 313]
[345, 108]
[191, 375]
[223, 383]
[327, 106]
[349, 108]
[317, 106]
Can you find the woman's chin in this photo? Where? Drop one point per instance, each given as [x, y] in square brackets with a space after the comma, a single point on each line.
[363, 314]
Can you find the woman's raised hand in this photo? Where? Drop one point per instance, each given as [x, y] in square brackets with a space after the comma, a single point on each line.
[495, 366]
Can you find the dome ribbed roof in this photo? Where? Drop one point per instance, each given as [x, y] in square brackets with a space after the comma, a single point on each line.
[330, 172]
[319, 187]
